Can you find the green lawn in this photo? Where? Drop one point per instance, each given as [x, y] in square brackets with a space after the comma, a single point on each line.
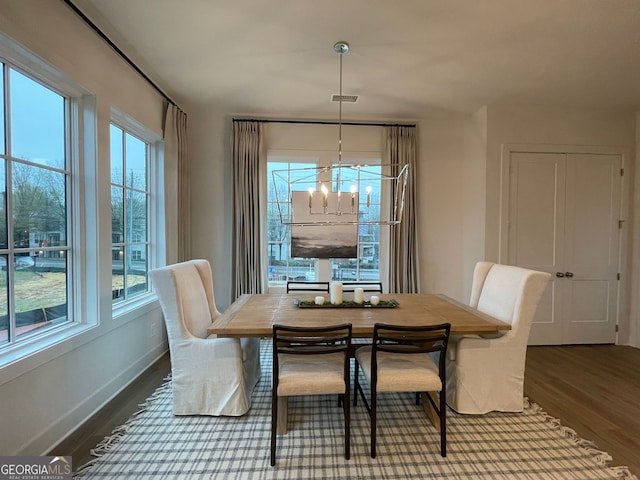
[46, 289]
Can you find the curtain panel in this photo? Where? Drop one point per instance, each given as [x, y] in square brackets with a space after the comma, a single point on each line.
[401, 149]
[177, 185]
[248, 158]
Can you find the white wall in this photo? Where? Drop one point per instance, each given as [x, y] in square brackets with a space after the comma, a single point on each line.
[634, 215]
[211, 196]
[441, 202]
[45, 397]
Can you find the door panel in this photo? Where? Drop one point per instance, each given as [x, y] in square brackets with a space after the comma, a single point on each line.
[563, 219]
[592, 239]
[536, 230]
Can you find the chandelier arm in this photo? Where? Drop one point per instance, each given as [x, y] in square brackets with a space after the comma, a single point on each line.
[304, 211]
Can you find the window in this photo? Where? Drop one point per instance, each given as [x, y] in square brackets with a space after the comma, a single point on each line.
[36, 242]
[283, 267]
[130, 192]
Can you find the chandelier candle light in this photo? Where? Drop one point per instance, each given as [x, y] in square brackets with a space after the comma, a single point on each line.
[323, 202]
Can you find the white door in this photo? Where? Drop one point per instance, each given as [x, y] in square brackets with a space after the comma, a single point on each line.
[563, 219]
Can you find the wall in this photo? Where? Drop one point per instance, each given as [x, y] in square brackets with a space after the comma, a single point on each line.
[211, 195]
[441, 204]
[634, 215]
[475, 194]
[44, 397]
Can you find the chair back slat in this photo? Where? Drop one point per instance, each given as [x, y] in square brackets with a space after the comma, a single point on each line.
[402, 339]
[303, 286]
[311, 340]
[371, 287]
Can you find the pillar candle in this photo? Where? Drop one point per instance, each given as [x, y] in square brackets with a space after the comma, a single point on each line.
[374, 300]
[335, 291]
[358, 295]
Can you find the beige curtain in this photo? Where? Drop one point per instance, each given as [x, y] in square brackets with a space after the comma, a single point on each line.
[248, 159]
[401, 149]
[176, 186]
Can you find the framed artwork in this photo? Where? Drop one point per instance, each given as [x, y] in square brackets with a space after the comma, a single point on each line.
[335, 237]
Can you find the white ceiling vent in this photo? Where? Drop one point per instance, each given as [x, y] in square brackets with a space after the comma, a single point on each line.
[335, 98]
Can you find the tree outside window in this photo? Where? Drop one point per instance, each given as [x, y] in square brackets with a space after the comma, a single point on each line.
[129, 214]
[281, 265]
[35, 251]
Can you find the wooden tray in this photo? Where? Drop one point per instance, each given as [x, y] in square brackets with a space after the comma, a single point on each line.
[345, 304]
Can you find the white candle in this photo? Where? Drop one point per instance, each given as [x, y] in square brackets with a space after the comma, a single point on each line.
[335, 291]
[358, 295]
[319, 300]
[325, 193]
[374, 300]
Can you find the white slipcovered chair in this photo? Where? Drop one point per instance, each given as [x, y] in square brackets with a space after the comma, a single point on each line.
[210, 376]
[486, 373]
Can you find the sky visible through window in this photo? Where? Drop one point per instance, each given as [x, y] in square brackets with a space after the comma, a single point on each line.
[37, 122]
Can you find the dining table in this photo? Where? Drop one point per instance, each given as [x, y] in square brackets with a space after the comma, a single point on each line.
[253, 315]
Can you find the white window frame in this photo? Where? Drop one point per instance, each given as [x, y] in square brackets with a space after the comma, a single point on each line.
[322, 158]
[82, 212]
[154, 188]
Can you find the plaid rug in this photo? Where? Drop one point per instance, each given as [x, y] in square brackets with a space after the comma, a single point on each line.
[155, 444]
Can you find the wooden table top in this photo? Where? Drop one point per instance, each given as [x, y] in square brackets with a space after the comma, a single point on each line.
[255, 315]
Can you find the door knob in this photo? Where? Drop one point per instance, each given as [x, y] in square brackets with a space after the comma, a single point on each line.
[559, 274]
[568, 274]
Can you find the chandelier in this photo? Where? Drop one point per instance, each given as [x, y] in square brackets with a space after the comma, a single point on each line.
[341, 194]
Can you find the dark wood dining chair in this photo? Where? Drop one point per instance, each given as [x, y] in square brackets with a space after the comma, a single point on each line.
[399, 361]
[303, 286]
[371, 287]
[311, 361]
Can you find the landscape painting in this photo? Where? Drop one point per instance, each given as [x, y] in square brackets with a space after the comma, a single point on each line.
[322, 241]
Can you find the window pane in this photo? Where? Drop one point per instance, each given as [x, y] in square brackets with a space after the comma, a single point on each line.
[304, 174]
[137, 270]
[129, 219]
[3, 206]
[39, 206]
[136, 162]
[117, 273]
[37, 122]
[2, 140]
[4, 303]
[117, 215]
[117, 170]
[136, 216]
[40, 293]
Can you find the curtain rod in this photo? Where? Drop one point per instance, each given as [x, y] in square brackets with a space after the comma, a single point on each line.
[102, 35]
[325, 122]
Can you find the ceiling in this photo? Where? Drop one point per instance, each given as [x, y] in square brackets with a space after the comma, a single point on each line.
[407, 57]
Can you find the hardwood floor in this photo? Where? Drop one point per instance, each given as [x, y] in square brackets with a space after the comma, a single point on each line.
[593, 389]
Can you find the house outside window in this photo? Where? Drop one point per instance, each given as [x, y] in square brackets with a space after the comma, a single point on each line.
[36, 241]
[130, 193]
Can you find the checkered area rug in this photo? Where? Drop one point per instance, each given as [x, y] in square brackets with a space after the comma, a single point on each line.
[155, 444]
